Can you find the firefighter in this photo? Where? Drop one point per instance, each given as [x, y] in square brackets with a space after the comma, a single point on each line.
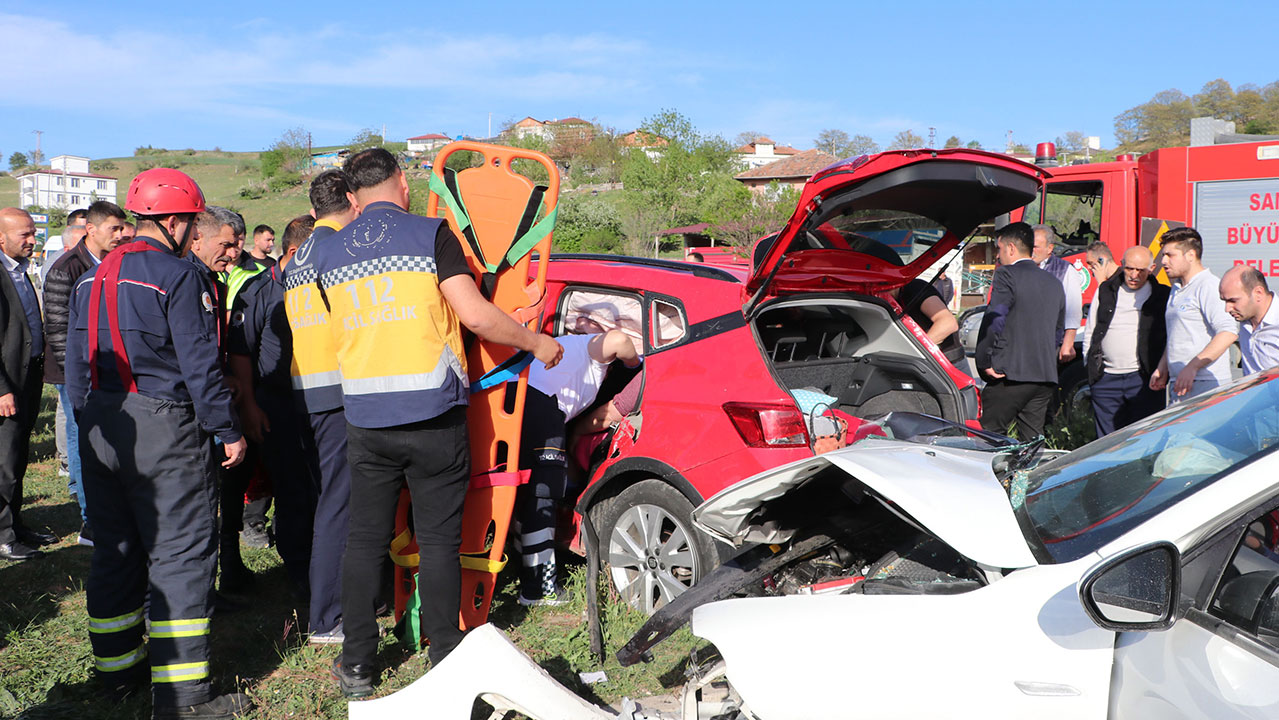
[143, 373]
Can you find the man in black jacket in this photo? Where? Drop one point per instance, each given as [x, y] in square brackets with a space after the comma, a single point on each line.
[1019, 337]
[104, 231]
[1125, 339]
[21, 355]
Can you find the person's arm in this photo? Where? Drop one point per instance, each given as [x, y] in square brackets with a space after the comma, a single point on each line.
[1213, 350]
[251, 416]
[194, 332]
[992, 322]
[56, 301]
[601, 418]
[1074, 314]
[1092, 323]
[943, 320]
[488, 322]
[613, 345]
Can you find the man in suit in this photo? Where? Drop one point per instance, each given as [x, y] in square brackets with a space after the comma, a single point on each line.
[21, 376]
[1020, 334]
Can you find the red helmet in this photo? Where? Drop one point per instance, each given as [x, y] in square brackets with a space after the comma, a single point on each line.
[164, 191]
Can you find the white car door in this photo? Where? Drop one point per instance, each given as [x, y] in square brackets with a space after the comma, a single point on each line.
[1221, 660]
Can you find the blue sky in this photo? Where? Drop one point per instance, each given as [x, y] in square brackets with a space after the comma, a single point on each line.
[100, 80]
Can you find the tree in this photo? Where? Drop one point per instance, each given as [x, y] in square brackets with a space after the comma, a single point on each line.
[1072, 142]
[17, 161]
[291, 153]
[905, 140]
[1162, 121]
[832, 142]
[37, 157]
[1216, 99]
[952, 142]
[739, 216]
[839, 144]
[746, 137]
[973, 145]
[363, 140]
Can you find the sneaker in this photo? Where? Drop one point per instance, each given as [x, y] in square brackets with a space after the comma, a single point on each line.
[86, 536]
[222, 707]
[561, 597]
[255, 535]
[63, 472]
[355, 681]
[332, 637]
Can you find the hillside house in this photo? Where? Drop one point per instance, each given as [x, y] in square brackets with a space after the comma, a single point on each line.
[427, 143]
[762, 152]
[66, 184]
[792, 171]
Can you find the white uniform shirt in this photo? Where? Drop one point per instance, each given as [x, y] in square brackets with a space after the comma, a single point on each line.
[1196, 313]
[574, 381]
[1260, 345]
[1073, 286]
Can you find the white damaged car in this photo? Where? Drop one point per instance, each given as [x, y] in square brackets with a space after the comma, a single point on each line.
[947, 573]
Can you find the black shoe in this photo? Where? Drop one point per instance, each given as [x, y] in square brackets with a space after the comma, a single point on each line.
[255, 535]
[222, 707]
[17, 552]
[35, 538]
[355, 681]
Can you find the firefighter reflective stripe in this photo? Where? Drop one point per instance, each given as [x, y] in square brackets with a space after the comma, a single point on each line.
[120, 662]
[180, 672]
[179, 628]
[115, 624]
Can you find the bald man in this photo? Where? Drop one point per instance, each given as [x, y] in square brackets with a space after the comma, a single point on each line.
[1249, 301]
[21, 375]
[1124, 340]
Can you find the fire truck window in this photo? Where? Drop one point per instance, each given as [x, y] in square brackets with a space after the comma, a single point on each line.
[1073, 209]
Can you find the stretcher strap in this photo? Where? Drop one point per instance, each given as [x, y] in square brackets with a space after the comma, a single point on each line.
[527, 235]
[446, 188]
[499, 478]
[412, 619]
[483, 564]
[398, 544]
[108, 275]
[509, 370]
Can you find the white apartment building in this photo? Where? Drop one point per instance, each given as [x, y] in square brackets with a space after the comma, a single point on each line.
[66, 183]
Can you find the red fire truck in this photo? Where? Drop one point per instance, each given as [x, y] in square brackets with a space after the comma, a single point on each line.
[1230, 193]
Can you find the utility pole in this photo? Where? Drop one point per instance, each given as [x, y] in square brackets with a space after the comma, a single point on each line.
[39, 154]
[932, 137]
[1008, 144]
[383, 134]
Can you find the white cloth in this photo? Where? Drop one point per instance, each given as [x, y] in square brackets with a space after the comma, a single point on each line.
[1195, 314]
[1119, 346]
[575, 380]
[1260, 345]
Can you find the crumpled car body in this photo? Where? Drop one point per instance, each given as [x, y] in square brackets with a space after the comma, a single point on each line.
[1020, 584]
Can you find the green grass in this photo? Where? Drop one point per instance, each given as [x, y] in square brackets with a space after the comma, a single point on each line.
[45, 658]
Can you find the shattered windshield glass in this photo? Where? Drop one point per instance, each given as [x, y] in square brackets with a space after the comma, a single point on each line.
[1074, 504]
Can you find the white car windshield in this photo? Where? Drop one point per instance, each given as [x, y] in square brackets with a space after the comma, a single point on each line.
[1072, 505]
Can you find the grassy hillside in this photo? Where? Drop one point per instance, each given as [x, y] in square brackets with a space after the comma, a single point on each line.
[221, 175]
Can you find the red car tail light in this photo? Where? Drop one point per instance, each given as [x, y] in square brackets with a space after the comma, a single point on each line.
[766, 425]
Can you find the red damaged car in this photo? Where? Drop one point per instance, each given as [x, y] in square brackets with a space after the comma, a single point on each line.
[740, 363]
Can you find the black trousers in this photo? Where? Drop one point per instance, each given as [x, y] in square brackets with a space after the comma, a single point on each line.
[433, 458]
[327, 447]
[152, 501]
[1004, 401]
[542, 450]
[283, 451]
[15, 444]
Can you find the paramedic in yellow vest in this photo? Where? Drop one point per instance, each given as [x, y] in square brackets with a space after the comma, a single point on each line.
[317, 394]
[398, 290]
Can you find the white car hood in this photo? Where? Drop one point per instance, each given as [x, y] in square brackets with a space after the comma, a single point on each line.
[952, 493]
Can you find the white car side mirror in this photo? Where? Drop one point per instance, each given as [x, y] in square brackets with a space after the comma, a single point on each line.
[1137, 589]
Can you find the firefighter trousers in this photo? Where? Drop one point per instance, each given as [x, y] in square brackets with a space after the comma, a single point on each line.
[152, 502]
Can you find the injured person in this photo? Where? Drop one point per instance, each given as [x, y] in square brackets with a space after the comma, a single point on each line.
[555, 397]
